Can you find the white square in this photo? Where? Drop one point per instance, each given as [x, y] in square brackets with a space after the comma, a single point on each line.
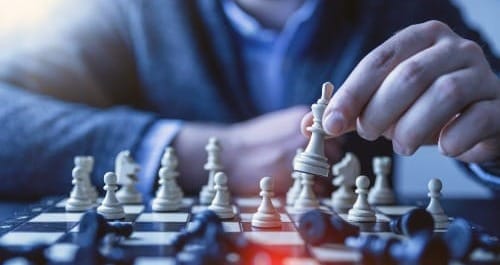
[30, 238]
[336, 254]
[247, 217]
[62, 252]
[154, 261]
[230, 227]
[275, 238]
[150, 238]
[255, 202]
[57, 217]
[395, 209]
[133, 209]
[162, 217]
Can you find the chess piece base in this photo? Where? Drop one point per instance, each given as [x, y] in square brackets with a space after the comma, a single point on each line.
[266, 220]
[222, 211]
[358, 215]
[111, 213]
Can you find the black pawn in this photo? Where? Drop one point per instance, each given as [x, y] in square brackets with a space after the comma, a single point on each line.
[462, 238]
[317, 227]
[415, 221]
[93, 227]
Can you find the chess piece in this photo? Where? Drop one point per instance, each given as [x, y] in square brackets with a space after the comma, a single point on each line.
[110, 207]
[168, 197]
[317, 227]
[78, 200]
[307, 199]
[294, 191]
[266, 215]
[346, 172]
[213, 166]
[313, 160]
[86, 163]
[221, 204]
[169, 160]
[413, 222]
[93, 227]
[381, 193]
[361, 210]
[126, 170]
[434, 207]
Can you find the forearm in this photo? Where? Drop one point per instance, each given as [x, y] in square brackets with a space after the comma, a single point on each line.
[41, 135]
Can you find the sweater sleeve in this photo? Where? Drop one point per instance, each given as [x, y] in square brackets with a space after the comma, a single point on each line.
[67, 87]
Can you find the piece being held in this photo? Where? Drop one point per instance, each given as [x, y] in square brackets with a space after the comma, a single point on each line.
[312, 160]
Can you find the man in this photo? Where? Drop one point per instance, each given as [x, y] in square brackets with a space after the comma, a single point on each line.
[105, 76]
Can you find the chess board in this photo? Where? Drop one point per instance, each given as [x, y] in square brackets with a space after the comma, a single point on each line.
[151, 240]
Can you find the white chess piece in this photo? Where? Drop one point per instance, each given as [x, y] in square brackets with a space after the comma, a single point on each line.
[221, 204]
[126, 170]
[294, 191]
[346, 172]
[213, 166]
[313, 160]
[169, 160]
[78, 200]
[87, 164]
[434, 207]
[361, 210]
[266, 215]
[381, 193]
[167, 197]
[307, 199]
[110, 207]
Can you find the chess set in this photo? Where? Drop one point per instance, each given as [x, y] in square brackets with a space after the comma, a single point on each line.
[354, 226]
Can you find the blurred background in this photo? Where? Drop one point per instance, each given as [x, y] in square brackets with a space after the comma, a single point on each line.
[412, 173]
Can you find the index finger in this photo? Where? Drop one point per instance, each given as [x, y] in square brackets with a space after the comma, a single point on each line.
[349, 101]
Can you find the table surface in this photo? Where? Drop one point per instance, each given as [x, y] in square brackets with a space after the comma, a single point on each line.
[483, 212]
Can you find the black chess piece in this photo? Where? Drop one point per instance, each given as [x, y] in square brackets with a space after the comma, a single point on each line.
[197, 229]
[462, 238]
[317, 227]
[93, 227]
[375, 250]
[421, 249]
[416, 220]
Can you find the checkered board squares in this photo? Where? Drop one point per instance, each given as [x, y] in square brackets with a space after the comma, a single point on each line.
[154, 231]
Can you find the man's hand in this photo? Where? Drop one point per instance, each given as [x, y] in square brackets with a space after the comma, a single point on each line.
[263, 146]
[424, 85]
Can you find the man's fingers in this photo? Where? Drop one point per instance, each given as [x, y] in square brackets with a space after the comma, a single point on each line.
[306, 121]
[448, 96]
[405, 84]
[478, 123]
[347, 104]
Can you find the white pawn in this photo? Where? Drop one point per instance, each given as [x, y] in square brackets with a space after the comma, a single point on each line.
[78, 200]
[307, 199]
[434, 207]
[110, 207]
[213, 166]
[221, 204]
[381, 193]
[87, 164]
[346, 172]
[167, 198]
[126, 170]
[361, 210]
[266, 215]
[294, 191]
